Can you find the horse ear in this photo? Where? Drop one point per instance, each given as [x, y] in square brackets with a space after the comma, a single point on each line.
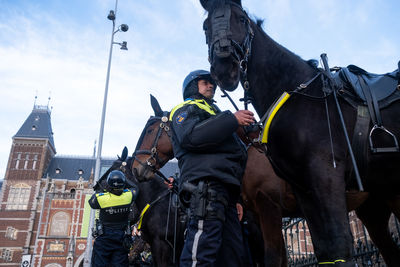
[124, 154]
[156, 107]
[204, 4]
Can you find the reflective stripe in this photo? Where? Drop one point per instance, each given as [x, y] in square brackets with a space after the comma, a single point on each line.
[110, 200]
[331, 262]
[201, 103]
[141, 216]
[271, 114]
[196, 242]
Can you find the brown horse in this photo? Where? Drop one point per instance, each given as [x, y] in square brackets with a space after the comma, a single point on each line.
[300, 145]
[270, 197]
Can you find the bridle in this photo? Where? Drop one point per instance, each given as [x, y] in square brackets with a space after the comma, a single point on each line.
[153, 160]
[221, 39]
[222, 43]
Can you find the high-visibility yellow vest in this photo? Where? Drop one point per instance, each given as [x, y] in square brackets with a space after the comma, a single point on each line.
[201, 103]
[107, 199]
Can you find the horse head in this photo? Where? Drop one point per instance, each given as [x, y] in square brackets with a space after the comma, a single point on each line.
[154, 148]
[122, 164]
[229, 34]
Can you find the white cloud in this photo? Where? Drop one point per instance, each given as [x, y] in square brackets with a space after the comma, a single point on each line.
[65, 51]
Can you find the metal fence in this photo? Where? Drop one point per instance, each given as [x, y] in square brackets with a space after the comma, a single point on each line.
[300, 251]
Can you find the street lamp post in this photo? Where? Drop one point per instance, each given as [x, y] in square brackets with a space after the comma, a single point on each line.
[123, 27]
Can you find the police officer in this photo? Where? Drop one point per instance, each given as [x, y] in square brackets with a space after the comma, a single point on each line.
[211, 159]
[114, 205]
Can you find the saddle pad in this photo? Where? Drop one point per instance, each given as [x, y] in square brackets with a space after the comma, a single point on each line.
[382, 85]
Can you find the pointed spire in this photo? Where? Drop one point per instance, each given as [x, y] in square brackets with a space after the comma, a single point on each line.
[48, 99]
[91, 177]
[34, 103]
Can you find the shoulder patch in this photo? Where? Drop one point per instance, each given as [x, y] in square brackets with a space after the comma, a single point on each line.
[181, 117]
[101, 194]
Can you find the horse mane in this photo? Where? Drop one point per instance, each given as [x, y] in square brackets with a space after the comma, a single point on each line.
[295, 73]
[115, 166]
[149, 122]
[103, 179]
[258, 22]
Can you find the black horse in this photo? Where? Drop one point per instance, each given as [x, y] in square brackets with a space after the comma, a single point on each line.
[163, 223]
[301, 146]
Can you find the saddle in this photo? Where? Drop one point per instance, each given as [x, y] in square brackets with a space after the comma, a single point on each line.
[354, 81]
[369, 93]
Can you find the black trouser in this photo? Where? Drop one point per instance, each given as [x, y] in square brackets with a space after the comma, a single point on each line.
[212, 240]
[108, 249]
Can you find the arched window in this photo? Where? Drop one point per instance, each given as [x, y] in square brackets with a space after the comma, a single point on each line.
[18, 197]
[17, 161]
[35, 158]
[59, 224]
[26, 161]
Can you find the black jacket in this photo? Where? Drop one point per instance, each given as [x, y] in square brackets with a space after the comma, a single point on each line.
[205, 143]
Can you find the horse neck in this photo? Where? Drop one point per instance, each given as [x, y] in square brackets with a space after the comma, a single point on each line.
[273, 69]
[149, 191]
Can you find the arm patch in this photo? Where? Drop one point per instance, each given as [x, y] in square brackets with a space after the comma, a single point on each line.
[181, 117]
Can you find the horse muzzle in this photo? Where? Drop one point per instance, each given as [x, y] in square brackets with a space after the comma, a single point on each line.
[226, 72]
[142, 170]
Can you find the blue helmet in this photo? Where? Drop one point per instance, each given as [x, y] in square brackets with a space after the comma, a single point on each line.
[116, 180]
[189, 88]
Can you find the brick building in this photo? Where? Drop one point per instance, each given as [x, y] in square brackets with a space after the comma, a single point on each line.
[44, 215]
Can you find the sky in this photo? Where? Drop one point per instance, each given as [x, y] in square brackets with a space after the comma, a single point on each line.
[59, 49]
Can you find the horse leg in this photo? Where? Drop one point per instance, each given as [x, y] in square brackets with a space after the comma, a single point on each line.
[161, 253]
[375, 216]
[270, 218]
[394, 204]
[324, 206]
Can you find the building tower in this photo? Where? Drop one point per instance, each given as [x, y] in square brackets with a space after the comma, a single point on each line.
[31, 152]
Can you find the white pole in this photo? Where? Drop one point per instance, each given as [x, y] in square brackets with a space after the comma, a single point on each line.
[89, 243]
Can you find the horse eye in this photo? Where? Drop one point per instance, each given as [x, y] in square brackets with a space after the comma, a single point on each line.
[149, 131]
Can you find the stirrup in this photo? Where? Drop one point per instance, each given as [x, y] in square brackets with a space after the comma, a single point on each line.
[394, 148]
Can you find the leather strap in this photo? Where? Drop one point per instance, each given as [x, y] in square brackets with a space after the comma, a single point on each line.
[360, 139]
[371, 102]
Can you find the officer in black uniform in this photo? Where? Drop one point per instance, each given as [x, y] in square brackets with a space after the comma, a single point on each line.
[211, 159]
[113, 227]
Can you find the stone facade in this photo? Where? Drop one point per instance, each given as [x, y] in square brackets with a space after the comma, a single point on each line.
[41, 218]
[44, 214]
